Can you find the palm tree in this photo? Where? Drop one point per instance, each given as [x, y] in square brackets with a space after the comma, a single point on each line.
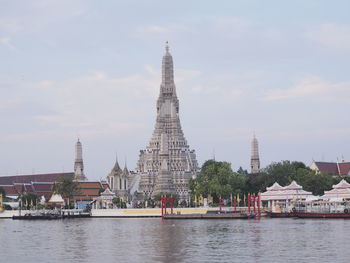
[67, 188]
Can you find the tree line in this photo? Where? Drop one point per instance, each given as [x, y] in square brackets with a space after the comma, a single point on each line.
[217, 179]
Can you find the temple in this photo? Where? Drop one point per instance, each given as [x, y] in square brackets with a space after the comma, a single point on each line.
[167, 163]
[79, 164]
[255, 160]
[118, 180]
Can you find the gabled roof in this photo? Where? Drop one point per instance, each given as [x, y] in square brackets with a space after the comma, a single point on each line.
[274, 187]
[56, 198]
[9, 189]
[327, 167]
[107, 192]
[293, 186]
[27, 179]
[342, 168]
[342, 185]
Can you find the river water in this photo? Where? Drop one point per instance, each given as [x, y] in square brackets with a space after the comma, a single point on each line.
[156, 240]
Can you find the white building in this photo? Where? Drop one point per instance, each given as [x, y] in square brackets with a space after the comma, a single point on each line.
[283, 195]
[340, 191]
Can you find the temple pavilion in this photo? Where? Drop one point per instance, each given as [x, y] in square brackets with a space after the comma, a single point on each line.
[283, 195]
[340, 191]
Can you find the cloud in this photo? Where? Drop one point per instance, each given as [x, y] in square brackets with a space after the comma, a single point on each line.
[331, 36]
[311, 87]
[6, 41]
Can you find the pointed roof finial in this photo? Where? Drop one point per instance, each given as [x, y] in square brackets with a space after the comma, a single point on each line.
[167, 46]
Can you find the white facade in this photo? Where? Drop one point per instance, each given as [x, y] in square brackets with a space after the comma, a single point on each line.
[292, 192]
[340, 191]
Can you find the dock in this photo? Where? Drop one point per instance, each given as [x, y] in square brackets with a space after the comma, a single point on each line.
[210, 216]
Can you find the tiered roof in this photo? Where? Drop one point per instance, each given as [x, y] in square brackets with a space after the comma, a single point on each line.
[289, 192]
[339, 191]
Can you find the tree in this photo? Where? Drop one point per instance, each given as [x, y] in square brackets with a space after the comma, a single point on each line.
[216, 179]
[3, 193]
[67, 188]
[30, 199]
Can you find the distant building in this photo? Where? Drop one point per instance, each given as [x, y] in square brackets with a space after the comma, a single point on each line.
[332, 168]
[79, 164]
[254, 159]
[42, 184]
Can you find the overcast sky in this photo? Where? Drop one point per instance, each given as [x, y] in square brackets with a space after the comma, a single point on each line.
[92, 69]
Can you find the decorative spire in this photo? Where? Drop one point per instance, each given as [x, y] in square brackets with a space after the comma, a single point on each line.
[255, 160]
[79, 164]
[116, 167]
[167, 69]
[167, 47]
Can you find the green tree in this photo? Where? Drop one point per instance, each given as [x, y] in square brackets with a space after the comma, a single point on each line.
[29, 199]
[216, 179]
[314, 182]
[67, 188]
[3, 193]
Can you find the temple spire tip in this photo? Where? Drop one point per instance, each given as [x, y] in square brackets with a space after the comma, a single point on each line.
[167, 46]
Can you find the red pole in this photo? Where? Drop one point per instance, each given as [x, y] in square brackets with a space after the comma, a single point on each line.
[248, 203]
[254, 203]
[259, 205]
[162, 205]
[171, 204]
[235, 204]
[220, 203]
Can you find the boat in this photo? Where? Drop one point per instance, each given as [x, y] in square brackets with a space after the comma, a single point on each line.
[211, 215]
[280, 214]
[322, 214]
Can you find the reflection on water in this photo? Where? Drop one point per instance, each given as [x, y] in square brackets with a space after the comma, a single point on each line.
[154, 240]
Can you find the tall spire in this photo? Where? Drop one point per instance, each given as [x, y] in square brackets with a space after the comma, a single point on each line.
[79, 164]
[167, 164]
[255, 160]
[116, 167]
[168, 84]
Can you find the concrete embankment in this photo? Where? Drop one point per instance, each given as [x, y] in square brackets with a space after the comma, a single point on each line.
[144, 212]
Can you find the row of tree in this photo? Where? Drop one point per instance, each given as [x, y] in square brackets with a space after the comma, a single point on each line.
[219, 180]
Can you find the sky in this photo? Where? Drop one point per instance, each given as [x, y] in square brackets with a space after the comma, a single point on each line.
[92, 69]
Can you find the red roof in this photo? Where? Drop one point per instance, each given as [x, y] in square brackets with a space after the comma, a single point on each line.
[27, 179]
[344, 168]
[332, 168]
[9, 189]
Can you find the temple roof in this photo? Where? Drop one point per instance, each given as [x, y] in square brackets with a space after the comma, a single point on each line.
[293, 186]
[56, 198]
[274, 187]
[342, 185]
[28, 179]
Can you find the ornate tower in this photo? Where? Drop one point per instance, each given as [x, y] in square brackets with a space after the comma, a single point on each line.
[254, 160]
[79, 164]
[118, 180]
[167, 164]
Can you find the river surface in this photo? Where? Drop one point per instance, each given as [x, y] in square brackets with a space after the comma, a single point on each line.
[156, 240]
